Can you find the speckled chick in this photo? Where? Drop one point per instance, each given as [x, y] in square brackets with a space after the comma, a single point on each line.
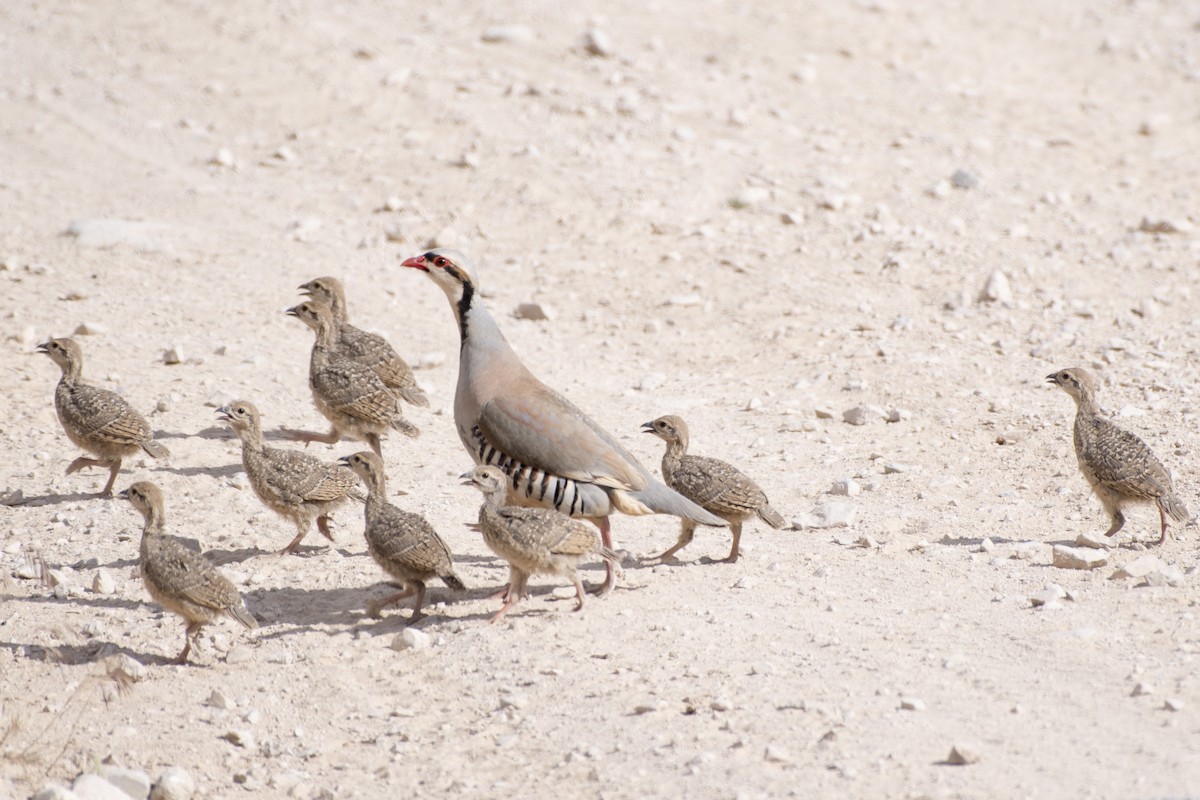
[404, 544]
[716, 486]
[533, 541]
[347, 392]
[96, 420]
[180, 580]
[369, 348]
[294, 485]
[1117, 464]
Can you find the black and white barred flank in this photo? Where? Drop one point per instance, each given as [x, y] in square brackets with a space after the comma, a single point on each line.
[537, 485]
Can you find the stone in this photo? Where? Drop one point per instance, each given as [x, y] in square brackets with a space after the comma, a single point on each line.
[90, 329]
[1154, 124]
[507, 34]
[597, 43]
[859, 415]
[217, 699]
[1140, 568]
[1048, 597]
[133, 782]
[173, 355]
[1096, 541]
[128, 665]
[775, 754]
[411, 639]
[223, 158]
[912, 704]
[997, 290]
[1173, 704]
[847, 487]
[431, 360]
[90, 786]
[964, 180]
[239, 654]
[831, 514]
[1067, 557]
[174, 783]
[962, 754]
[1141, 689]
[899, 415]
[1158, 225]
[243, 739]
[750, 197]
[533, 311]
[54, 791]
[104, 583]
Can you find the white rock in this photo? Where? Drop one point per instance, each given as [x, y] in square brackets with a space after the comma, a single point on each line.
[128, 665]
[847, 487]
[859, 415]
[507, 34]
[963, 753]
[54, 792]
[597, 42]
[775, 754]
[912, 704]
[173, 355]
[1173, 704]
[90, 329]
[1066, 557]
[750, 197]
[133, 782]
[411, 639]
[431, 360]
[533, 311]
[997, 289]
[685, 300]
[1142, 689]
[90, 786]
[217, 699]
[239, 654]
[174, 783]
[1047, 596]
[243, 739]
[1154, 124]
[832, 514]
[1140, 568]
[1096, 541]
[745, 582]
[1158, 225]
[899, 415]
[104, 583]
[223, 158]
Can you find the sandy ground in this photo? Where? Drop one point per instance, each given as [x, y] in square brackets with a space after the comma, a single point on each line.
[744, 213]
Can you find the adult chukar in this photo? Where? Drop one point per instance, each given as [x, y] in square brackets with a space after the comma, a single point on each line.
[1117, 464]
[555, 456]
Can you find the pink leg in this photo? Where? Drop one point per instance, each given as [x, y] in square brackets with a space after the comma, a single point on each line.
[610, 575]
[333, 437]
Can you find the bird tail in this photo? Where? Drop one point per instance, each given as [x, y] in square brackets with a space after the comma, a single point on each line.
[155, 449]
[609, 555]
[414, 396]
[242, 615]
[658, 498]
[771, 517]
[1174, 508]
[402, 425]
[453, 582]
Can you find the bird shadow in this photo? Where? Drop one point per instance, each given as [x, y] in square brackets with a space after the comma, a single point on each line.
[220, 558]
[211, 432]
[55, 499]
[305, 609]
[86, 653]
[90, 602]
[227, 471]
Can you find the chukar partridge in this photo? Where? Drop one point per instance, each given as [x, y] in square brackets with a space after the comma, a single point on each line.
[555, 456]
[532, 540]
[404, 544]
[713, 484]
[347, 392]
[181, 580]
[294, 485]
[369, 348]
[96, 420]
[1117, 464]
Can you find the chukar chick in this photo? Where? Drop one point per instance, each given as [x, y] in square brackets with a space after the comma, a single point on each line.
[294, 485]
[1118, 465]
[363, 346]
[180, 580]
[96, 420]
[346, 392]
[714, 485]
[403, 543]
[533, 541]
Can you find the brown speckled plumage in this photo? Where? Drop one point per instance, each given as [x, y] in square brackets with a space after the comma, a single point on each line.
[369, 348]
[404, 544]
[716, 486]
[347, 392]
[533, 541]
[294, 485]
[1117, 464]
[96, 420]
[180, 580]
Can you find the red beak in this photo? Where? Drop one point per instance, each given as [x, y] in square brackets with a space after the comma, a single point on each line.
[416, 262]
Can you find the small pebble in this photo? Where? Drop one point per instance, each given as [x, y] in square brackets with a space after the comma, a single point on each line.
[104, 583]
[963, 754]
[174, 783]
[533, 311]
[507, 34]
[173, 355]
[217, 699]
[411, 639]
[1066, 557]
[90, 329]
[133, 782]
[912, 704]
[597, 42]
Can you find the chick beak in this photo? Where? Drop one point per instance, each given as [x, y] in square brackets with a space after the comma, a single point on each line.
[344, 461]
[223, 413]
[291, 312]
[44, 347]
[1052, 378]
[123, 494]
[647, 427]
